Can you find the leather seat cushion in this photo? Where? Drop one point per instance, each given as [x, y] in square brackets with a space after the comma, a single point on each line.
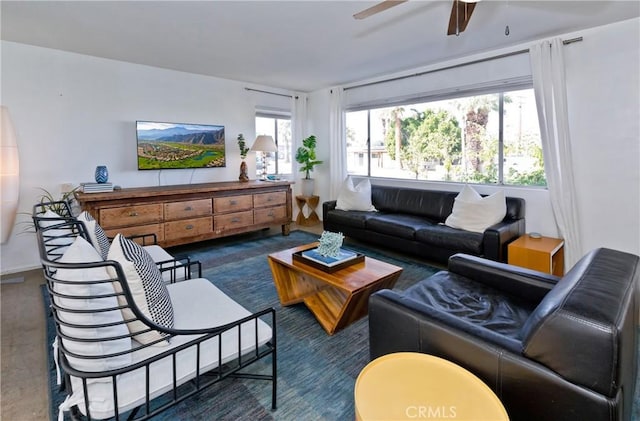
[397, 224]
[473, 302]
[443, 236]
[355, 219]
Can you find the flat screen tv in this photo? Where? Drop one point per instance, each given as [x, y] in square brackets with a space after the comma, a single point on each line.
[178, 146]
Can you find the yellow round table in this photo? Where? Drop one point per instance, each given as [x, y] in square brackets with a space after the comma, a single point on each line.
[415, 386]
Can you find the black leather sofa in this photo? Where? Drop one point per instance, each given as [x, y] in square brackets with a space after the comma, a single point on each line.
[412, 221]
[550, 348]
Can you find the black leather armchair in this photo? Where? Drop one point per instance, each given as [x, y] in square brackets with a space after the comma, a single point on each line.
[550, 348]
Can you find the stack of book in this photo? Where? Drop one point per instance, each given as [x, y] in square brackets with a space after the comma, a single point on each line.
[96, 187]
[328, 264]
[343, 256]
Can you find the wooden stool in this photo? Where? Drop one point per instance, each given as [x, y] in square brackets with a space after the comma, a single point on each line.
[311, 202]
[410, 385]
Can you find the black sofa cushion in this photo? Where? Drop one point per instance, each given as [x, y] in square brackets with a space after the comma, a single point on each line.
[435, 205]
[472, 303]
[397, 224]
[356, 219]
[450, 238]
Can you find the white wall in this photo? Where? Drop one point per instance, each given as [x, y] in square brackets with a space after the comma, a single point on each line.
[73, 112]
[603, 74]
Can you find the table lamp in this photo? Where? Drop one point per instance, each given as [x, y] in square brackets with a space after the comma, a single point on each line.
[264, 144]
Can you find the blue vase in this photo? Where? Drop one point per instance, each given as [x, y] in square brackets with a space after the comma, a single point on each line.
[102, 174]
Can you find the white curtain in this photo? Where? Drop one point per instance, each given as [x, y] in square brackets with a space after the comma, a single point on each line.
[547, 65]
[298, 130]
[337, 142]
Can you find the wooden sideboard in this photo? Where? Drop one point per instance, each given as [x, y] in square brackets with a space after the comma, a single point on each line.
[187, 213]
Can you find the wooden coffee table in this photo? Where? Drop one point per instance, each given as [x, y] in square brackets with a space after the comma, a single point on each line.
[336, 299]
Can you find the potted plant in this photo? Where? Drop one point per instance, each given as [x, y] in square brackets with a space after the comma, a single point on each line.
[306, 157]
[47, 197]
[243, 155]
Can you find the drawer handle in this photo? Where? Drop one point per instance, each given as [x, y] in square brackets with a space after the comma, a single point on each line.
[269, 199]
[133, 213]
[189, 227]
[235, 220]
[188, 208]
[271, 214]
[233, 202]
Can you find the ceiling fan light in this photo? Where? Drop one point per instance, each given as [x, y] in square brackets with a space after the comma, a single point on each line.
[470, 1]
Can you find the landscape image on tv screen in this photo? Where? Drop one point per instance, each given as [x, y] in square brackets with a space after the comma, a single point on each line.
[174, 145]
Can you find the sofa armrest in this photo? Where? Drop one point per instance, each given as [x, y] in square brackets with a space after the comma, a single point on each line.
[180, 269]
[497, 238]
[328, 206]
[527, 284]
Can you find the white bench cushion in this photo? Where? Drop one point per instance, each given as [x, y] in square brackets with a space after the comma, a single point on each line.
[197, 304]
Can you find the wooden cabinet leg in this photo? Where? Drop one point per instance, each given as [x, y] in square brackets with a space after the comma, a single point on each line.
[286, 229]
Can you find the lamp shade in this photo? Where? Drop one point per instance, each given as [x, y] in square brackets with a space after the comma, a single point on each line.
[9, 174]
[264, 143]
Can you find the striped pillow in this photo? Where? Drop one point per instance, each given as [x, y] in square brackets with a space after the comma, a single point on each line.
[147, 288]
[97, 235]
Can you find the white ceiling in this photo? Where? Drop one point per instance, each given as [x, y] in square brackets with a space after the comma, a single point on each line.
[297, 45]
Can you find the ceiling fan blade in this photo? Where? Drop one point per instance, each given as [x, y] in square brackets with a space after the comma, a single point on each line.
[460, 15]
[380, 7]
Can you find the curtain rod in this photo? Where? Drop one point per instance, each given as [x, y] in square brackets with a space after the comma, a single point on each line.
[271, 93]
[453, 66]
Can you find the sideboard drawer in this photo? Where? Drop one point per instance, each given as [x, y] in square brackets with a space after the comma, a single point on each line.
[269, 199]
[267, 215]
[130, 215]
[232, 203]
[232, 220]
[156, 229]
[187, 228]
[187, 209]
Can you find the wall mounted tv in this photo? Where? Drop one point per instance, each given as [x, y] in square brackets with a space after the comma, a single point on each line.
[178, 146]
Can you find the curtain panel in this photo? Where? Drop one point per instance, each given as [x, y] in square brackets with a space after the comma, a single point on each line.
[298, 131]
[548, 71]
[337, 142]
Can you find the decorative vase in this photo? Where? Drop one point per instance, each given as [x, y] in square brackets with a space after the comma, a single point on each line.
[244, 177]
[102, 174]
[308, 186]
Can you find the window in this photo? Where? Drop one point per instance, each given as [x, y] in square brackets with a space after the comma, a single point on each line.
[490, 139]
[278, 127]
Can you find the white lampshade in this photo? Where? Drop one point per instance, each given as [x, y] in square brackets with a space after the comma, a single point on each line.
[264, 143]
[9, 174]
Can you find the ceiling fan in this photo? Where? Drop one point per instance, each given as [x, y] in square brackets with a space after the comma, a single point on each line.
[458, 20]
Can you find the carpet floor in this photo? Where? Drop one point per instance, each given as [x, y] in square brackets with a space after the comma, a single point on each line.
[316, 372]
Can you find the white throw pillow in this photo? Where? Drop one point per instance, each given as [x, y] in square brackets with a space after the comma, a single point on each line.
[147, 288]
[55, 240]
[356, 198]
[83, 252]
[473, 212]
[97, 235]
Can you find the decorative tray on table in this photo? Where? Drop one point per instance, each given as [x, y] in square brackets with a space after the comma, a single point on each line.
[312, 258]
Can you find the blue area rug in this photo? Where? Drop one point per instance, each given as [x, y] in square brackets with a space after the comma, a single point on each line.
[316, 372]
